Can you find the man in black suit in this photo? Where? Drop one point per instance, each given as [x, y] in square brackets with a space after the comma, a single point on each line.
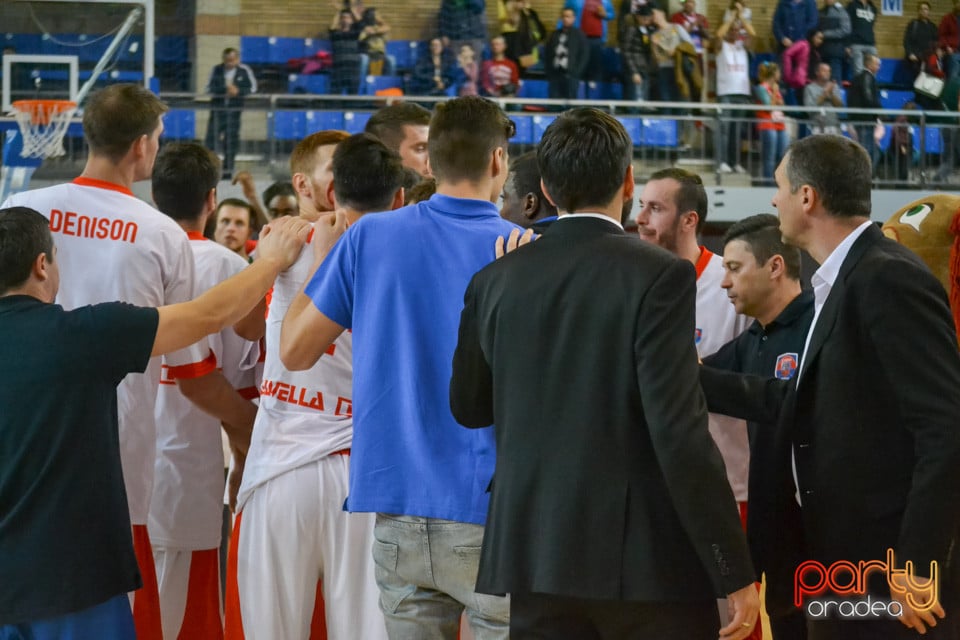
[229, 83]
[610, 513]
[566, 57]
[867, 433]
[864, 93]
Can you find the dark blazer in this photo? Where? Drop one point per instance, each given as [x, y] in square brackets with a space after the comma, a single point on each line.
[607, 483]
[578, 54]
[864, 93]
[873, 419]
[217, 86]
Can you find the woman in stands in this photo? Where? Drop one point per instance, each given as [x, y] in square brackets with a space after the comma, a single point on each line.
[772, 123]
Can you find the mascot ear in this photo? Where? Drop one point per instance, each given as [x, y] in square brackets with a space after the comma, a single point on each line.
[930, 227]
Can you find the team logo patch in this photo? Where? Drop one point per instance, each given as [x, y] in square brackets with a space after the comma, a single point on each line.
[786, 366]
[697, 335]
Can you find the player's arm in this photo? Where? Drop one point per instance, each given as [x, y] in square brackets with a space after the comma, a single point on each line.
[214, 394]
[306, 332]
[253, 326]
[180, 325]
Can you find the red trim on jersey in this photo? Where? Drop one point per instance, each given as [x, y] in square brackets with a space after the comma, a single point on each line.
[201, 616]
[250, 246]
[195, 370]
[101, 184]
[146, 599]
[703, 260]
[196, 235]
[249, 393]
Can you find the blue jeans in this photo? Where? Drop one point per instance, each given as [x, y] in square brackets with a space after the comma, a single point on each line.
[426, 570]
[732, 124]
[773, 146]
[110, 620]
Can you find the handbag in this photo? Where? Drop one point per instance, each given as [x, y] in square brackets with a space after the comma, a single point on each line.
[928, 85]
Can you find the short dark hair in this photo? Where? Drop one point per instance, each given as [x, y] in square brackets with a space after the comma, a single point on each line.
[366, 174]
[761, 234]
[183, 175]
[463, 134]
[210, 229]
[583, 157]
[837, 168]
[388, 122]
[24, 235]
[280, 188]
[228, 51]
[423, 190]
[526, 178]
[691, 196]
[411, 178]
[304, 156]
[116, 116]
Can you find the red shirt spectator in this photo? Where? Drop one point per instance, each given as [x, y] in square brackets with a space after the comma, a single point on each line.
[500, 75]
[694, 23]
[949, 30]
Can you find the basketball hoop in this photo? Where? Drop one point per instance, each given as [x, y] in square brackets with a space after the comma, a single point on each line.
[43, 123]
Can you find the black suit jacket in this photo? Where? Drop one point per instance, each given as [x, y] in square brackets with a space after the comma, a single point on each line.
[864, 93]
[873, 420]
[607, 483]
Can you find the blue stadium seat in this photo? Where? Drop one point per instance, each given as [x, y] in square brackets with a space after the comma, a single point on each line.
[534, 89]
[634, 129]
[893, 99]
[254, 49]
[279, 50]
[885, 140]
[659, 133]
[524, 126]
[172, 49]
[355, 121]
[179, 124]
[405, 52]
[540, 124]
[612, 62]
[289, 125]
[888, 69]
[312, 45]
[26, 43]
[372, 84]
[604, 91]
[323, 120]
[318, 83]
[932, 140]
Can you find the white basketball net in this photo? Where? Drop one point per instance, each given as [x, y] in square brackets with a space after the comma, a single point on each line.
[43, 126]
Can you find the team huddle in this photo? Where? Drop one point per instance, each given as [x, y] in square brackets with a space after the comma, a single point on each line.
[453, 421]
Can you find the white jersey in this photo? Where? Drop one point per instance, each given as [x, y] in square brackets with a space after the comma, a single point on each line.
[717, 324]
[111, 246]
[186, 509]
[733, 70]
[303, 415]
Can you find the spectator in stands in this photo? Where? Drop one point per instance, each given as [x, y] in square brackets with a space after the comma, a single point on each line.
[666, 40]
[522, 29]
[733, 87]
[403, 127]
[935, 64]
[949, 34]
[235, 223]
[229, 83]
[470, 71]
[900, 155]
[741, 16]
[523, 201]
[636, 48]
[796, 63]
[435, 73]
[863, 18]
[950, 103]
[919, 39]
[793, 20]
[280, 198]
[463, 21]
[591, 18]
[823, 92]
[373, 43]
[772, 123]
[634, 6]
[499, 76]
[694, 23]
[345, 45]
[835, 27]
[864, 93]
[566, 57]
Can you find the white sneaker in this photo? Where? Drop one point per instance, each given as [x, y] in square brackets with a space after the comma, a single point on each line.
[739, 169]
[724, 168]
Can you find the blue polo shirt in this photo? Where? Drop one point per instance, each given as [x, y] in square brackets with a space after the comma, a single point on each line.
[397, 280]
